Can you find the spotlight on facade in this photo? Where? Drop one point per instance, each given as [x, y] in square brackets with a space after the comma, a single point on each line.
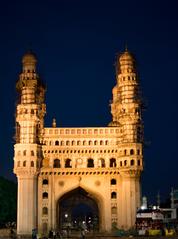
[143, 207]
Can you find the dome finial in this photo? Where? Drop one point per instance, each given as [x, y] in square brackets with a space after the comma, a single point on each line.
[54, 123]
[126, 47]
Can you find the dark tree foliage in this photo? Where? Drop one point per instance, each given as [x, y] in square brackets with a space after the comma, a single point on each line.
[8, 201]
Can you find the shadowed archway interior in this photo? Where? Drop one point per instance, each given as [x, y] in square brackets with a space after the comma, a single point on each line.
[77, 209]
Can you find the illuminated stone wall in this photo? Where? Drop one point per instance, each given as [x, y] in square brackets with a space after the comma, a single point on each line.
[106, 161]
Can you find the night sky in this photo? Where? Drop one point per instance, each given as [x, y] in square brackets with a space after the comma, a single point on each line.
[76, 43]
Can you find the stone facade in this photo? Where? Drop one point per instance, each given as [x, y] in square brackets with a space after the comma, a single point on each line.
[104, 164]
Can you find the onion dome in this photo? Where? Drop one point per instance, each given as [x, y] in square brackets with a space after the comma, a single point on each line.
[124, 61]
[126, 55]
[126, 58]
[29, 58]
[29, 62]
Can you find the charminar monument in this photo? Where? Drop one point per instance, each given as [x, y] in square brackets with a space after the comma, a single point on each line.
[63, 171]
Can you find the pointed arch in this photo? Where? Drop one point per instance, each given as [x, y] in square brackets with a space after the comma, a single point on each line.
[68, 163]
[90, 163]
[57, 163]
[112, 163]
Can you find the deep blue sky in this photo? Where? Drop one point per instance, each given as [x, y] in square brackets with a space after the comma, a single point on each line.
[76, 43]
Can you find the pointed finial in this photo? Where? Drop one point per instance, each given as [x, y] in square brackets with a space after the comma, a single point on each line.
[54, 123]
[172, 197]
[158, 199]
[126, 48]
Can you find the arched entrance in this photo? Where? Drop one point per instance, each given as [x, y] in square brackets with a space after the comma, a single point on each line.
[77, 210]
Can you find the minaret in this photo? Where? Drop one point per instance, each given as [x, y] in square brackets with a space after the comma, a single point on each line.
[30, 113]
[126, 109]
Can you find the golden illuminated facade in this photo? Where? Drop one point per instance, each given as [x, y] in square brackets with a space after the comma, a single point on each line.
[99, 167]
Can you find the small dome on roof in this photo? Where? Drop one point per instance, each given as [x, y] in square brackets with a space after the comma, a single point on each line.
[29, 58]
[126, 56]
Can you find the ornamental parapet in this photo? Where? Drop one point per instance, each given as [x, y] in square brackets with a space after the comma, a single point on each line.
[83, 171]
[110, 131]
[131, 173]
[25, 172]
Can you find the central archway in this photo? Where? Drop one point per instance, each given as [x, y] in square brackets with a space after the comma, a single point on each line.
[77, 209]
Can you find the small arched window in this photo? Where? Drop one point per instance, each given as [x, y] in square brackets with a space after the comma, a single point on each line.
[120, 163]
[62, 143]
[90, 142]
[45, 195]
[32, 153]
[125, 152]
[113, 181]
[67, 142]
[45, 181]
[125, 162]
[73, 142]
[112, 162]
[68, 163]
[24, 152]
[113, 195]
[78, 142]
[101, 163]
[84, 142]
[138, 151]
[32, 164]
[106, 142]
[90, 163]
[132, 162]
[56, 163]
[131, 152]
[138, 163]
[24, 163]
[45, 211]
[101, 142]
[56, 142]
[95, 142]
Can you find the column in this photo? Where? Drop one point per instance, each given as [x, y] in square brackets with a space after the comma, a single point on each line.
[27, 204]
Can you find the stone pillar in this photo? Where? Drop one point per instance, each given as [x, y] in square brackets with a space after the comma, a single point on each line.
[40, 192]
[53, 209]
[50, 182]
[130, 199]
[27, 204]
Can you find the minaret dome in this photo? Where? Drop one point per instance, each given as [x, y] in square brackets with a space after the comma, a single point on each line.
[29, 62]
[126, 62]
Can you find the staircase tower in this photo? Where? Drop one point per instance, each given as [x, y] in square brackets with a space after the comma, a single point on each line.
[126, 109]
[30, 111]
